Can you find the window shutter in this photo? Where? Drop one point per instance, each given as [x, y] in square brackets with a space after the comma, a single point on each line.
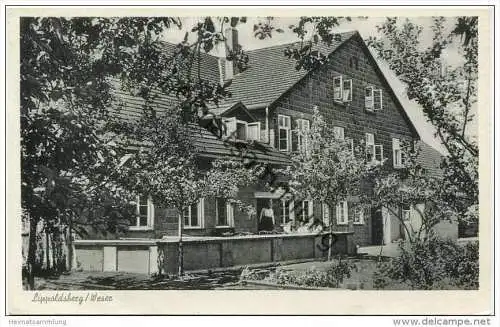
[377, 100]
[337, 88]
[254, 131]
[326, 214]
[379, 152]
[338, 132]
[230, 124]
[230, 214]
[347, 90]
[370, 145]
[310, 209]
[350, 143]
[369, 98]
[338, 212]
[395, 152]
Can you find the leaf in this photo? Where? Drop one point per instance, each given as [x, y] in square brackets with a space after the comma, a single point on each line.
[279, 30]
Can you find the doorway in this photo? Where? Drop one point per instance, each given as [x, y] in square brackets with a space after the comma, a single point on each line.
[377, 227]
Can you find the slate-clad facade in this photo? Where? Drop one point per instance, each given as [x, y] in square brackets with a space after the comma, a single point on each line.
[269, 101]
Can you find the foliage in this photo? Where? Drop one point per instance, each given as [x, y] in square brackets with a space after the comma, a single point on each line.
[432, 263]
[313, 277]
[326, 169]
[447, 95]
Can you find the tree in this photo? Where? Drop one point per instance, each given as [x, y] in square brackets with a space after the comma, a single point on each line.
[70, 158]
[327, 169]
[446, 94]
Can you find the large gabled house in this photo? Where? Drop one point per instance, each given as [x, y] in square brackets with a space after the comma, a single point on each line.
[271, 101]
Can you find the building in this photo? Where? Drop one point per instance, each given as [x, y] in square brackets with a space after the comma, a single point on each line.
[271, 101]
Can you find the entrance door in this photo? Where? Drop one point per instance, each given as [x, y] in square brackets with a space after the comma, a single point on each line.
[377, 227]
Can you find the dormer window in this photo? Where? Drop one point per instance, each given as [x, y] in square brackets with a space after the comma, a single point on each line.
[241, 130]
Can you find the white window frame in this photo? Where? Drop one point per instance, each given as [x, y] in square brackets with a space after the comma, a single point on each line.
[287, 129]
[325, 213]
[150, 215]
[369, 99]
[305, 216]
[232, 128]
[229, 214]
[302, 127]
[338, 132]
[349, 83]
[258, 131]
[397, 153]
[370, 144]
[342, 213]
[359, 216]
[290, 210]
[337, 90]
[378, 156]
[201, 215]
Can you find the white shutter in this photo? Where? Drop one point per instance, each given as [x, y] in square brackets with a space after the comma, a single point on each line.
[230, 124]
[254, 131]
[326, 214]
[230, 214]
[337, 88]
[310, 209]
[379, 152]
[347, 90]
[396, 153]
[338, 132]
[350, 143]
[369, 98]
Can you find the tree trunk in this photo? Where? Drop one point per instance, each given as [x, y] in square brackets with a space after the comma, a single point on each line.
[47, 250]
[180, 256]
[330, 244]
[69, 244]
[31, 254]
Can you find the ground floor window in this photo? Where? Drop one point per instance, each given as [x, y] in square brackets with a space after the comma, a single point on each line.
[304, 210]
[286, 211]
[224, 212]
[194, 215]
[144, 218]
[359, 215]
[342, 213]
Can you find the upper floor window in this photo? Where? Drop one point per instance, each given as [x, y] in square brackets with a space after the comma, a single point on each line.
[342, 213]
[144, 213]
[342, 89]
[398, 154]
[253, 131]
[299, 137]
[338, 132]
[224, 212]
[373, 99]
[194, 215]
[284, 127]
[374, 152]
[236, 129]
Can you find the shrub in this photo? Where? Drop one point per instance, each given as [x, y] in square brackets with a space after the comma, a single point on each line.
[432, 263]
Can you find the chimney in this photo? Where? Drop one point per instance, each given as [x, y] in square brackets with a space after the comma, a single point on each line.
[231, 35]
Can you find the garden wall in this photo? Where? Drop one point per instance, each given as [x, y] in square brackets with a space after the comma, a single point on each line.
[202, 253]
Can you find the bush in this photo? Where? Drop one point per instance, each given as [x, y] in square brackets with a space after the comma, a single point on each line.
[432, 263]
[312, 277]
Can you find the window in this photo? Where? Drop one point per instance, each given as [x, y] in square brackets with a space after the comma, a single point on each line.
[374, 152]
[342, 89]
[373, 99]
[337, 88]
[350, 143]
[284, 133]
[342, 213]
[405, 212]
[144, 213]
[347, 91]
[370, 147]
[299, 139]
[338, 132]
[325, 213]
[286, 211]
[398, 156]
[194, 215]
[236, 129]
[253, 131]
[305, 210]
[224, 212]
[359, 215]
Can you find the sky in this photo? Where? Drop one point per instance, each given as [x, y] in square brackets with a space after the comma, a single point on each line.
[366, 27]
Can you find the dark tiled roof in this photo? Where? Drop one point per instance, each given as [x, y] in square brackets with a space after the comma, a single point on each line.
[270, 73]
